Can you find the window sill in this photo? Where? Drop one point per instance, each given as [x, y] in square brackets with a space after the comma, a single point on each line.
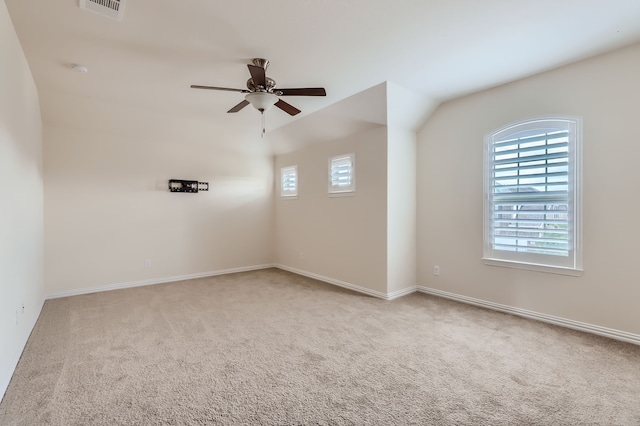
[343, 194]
[533, 267]
[288, 197]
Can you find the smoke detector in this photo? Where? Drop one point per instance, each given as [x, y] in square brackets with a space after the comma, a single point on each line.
[112, 9]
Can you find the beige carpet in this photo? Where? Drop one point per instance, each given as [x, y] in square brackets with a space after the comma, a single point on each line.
[273, 348]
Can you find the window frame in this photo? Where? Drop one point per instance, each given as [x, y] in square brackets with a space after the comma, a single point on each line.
[571, 264]
[285, 193]
[337, 190]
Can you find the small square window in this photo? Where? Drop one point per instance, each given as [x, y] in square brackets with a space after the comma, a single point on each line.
[289, 181]
[342, 174]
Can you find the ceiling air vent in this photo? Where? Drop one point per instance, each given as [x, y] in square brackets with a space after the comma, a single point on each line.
[113, 9]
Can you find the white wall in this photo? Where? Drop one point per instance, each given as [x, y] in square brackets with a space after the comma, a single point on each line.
[604, 92]
[380, 253]
[401, 209]
[107, 209]
[405, 111]
[21, 222]
[341, 238]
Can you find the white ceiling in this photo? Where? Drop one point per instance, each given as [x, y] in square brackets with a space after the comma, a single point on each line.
[140, 69]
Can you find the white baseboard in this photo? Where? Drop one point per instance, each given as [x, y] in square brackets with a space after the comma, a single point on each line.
[153, 281]
[400, 293]
[6, 376]
[576, 325]
[354, 287]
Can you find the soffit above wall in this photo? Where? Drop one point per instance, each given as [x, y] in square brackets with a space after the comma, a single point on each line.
[354, 114]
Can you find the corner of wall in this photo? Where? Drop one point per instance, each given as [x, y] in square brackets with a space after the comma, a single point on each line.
[21, 214]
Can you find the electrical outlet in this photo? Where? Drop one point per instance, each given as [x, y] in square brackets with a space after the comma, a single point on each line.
[301, 255]
[436, 270]
[147, 263]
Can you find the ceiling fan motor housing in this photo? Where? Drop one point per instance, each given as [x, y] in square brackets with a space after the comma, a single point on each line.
[269, 82]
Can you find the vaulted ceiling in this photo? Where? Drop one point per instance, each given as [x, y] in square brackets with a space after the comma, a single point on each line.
[140, 69]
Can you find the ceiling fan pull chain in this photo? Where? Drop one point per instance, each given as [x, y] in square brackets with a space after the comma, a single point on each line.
[263, 131]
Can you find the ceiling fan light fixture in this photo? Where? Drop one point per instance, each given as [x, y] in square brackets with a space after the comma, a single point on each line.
[262, 101]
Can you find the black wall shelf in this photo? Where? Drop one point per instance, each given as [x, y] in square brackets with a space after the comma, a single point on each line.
[179, 185]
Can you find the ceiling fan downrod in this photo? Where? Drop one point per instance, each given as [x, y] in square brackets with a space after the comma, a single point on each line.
[260, 62]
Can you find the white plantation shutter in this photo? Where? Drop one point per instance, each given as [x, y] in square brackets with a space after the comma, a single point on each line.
[342, 174]
[531, 193]
[289, 181]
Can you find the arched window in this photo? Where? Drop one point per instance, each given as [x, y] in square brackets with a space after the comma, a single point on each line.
[532, 196]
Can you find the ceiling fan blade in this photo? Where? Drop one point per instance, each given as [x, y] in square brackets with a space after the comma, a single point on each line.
[239, 106]
[288, 108]
[310, 91]
[258, 75]
[193, 86]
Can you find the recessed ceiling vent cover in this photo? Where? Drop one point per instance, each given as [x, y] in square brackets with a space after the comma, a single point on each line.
[113, 9]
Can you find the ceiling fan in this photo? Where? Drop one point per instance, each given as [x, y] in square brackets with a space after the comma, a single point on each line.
[262, 92]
